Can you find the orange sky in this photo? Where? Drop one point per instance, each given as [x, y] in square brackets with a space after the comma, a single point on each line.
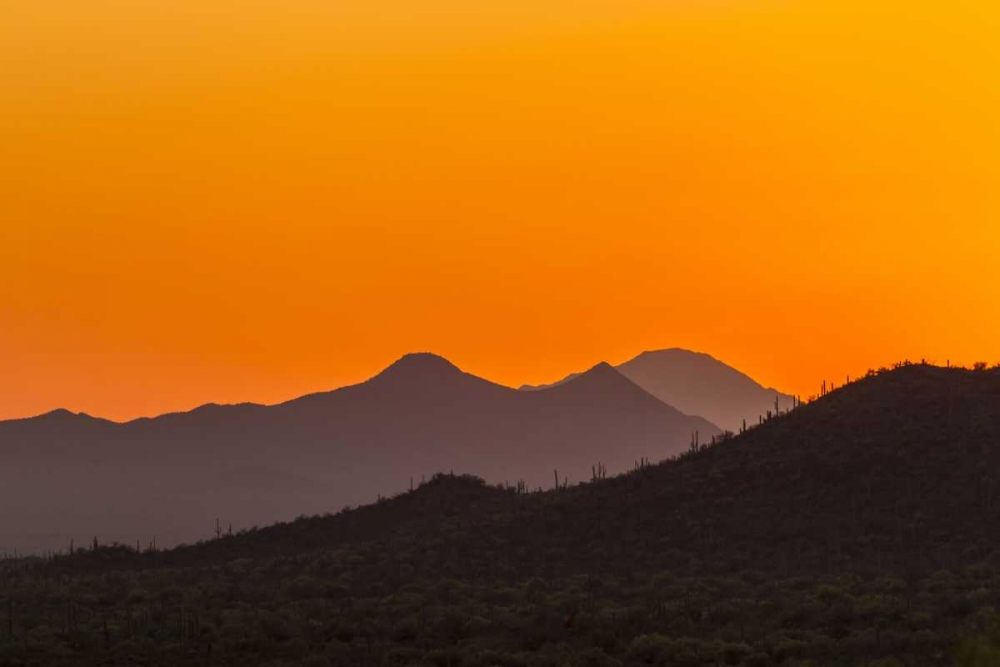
[208, 200]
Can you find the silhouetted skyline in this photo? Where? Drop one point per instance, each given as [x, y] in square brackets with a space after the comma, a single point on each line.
[64, 475]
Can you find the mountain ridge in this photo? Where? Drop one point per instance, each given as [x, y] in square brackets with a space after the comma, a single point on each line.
[802, 483]
[420, 415]
[697, 383]
[857, 529]
[916, 422]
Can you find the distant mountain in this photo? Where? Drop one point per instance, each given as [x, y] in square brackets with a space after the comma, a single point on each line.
[893, 473]
[699, 384]
[859, 529]
[64, 475]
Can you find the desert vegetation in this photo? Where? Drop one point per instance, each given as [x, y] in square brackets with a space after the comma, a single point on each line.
[857, 529]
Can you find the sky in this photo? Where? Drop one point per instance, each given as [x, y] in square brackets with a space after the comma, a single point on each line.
[209, 200]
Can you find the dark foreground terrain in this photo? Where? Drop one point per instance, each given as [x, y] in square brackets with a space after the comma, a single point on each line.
[860, 529]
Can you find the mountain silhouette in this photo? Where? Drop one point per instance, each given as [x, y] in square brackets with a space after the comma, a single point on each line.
[859, 529]
[66, 476]
[892, 473]
[698, 384]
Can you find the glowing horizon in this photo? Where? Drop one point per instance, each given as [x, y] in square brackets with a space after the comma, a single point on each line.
[202, 205]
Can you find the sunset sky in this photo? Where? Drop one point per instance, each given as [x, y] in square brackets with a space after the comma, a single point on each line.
[210, 200]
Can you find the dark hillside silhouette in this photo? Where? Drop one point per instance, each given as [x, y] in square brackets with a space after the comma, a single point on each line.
[699, 384]
[65, 476]
[894, 472]
[858, 529]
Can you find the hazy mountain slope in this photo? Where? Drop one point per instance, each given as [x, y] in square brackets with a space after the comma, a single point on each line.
[698, 384]
[65, 475]
[893, 472]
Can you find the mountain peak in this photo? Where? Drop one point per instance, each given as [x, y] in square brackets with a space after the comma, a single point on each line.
[674, 352]
[58, 417]
[417, 365]
[603, 369]
[698, 383]
[421, 361]
[601, 377]
[64, 415]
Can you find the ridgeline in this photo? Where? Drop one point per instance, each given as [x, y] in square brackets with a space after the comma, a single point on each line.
[859, 528]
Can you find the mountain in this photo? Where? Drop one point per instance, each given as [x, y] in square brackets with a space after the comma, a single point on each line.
[65, 476]
[698, 384]
[900, 465]
[859, 529]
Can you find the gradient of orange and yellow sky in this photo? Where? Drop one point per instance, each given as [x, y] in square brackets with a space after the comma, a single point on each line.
[208, 200]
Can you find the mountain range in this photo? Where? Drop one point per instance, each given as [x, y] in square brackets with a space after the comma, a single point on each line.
[893, 472]
[699, 384]
[66, 476]
[858, 529]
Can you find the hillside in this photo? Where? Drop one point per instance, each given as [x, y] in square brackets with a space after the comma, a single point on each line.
[899, 465]
[698, 384]
[859, 529]
[70, 477]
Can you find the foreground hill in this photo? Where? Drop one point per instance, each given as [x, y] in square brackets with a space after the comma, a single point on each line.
[858, 530]
[698, 384]
[895, 472]
[66, 476]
